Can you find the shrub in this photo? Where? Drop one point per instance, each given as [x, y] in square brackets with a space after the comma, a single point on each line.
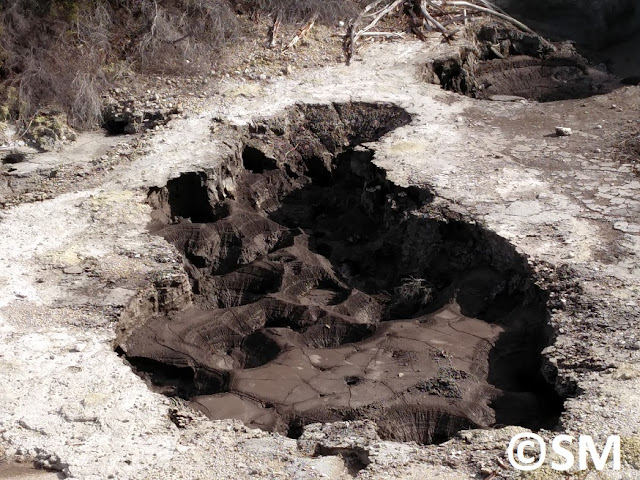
[327, 11]
[63, 53]
[180, 35]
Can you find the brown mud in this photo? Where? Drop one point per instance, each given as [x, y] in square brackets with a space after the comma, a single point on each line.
[322, 291]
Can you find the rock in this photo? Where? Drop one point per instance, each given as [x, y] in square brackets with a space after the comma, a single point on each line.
[339, 438]
[626, 227]
[79, 347]
[626, 372]
[563, 131]
[73, 270]
[16, 154]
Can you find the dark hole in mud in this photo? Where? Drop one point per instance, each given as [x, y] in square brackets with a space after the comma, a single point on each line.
[185, 198]
[326, 292]
[352, 380]
[508, 65]
[256, 161]
[13, 158]
[116, 126]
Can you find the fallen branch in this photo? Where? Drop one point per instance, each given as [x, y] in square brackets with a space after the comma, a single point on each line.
[423, 11]
[301, 33]
[349, 42]
[426, 15]
[503, 16]
[385, 11]
[415, 23]
[492, 6]
[384, 34]
[459, 18]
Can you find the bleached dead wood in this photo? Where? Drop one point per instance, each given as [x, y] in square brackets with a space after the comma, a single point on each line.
[423, 11]
[384, 34]
[492, 6]
[385, 11]
[301, 33]
[503, 16]
[273, 31]
[424, 15]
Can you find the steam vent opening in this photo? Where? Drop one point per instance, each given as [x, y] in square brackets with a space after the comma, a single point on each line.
[323, 292]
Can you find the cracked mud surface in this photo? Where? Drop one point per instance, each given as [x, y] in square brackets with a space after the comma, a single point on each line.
[324, 292]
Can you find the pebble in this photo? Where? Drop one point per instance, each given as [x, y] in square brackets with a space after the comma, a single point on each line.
[73, 270]
[563, 131]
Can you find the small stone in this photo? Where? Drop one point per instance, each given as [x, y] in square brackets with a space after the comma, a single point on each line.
[626, 372]
[598, 127]
[563, 131]
[73, 270]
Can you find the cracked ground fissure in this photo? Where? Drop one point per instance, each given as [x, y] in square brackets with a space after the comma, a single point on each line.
[322, 291]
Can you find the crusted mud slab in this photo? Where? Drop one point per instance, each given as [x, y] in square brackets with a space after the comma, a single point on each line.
[81, 272]
[324, 292]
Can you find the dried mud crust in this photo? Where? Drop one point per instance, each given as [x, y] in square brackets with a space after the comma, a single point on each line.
[322, 291]
[501, 61]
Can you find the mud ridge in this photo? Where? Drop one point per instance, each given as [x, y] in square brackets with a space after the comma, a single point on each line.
[321, 291]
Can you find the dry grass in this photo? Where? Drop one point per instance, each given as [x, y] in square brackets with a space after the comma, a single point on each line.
[327, 11]
[64, 53]
[181, 35]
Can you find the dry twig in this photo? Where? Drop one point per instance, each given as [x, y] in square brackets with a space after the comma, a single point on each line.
[385, 11]
[422, 5]
[301, 33]
[490, 11]
[425, 14]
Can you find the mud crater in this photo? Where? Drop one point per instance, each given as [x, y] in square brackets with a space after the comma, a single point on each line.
[506, 63]
[321, 291]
